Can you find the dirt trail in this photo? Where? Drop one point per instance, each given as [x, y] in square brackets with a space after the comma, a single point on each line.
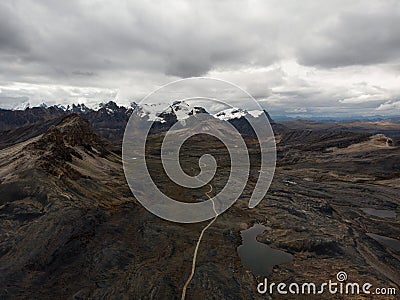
[197, 246]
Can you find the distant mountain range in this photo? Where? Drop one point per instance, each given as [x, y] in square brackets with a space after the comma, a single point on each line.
[110, 119]
[376, 118]
[277, 116]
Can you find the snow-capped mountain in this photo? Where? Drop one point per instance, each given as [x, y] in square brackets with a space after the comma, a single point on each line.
[230, 113]
[181, 110]
[236, 113]
[157, 112]
[178, 110]
[164, 117]
[110, 119]
[60, 106]
[79, 108]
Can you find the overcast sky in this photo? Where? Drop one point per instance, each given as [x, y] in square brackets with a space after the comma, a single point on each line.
[298, 58]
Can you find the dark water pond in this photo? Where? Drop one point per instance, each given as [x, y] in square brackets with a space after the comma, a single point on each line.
[257, 257]
[386, 241]
[382, 213]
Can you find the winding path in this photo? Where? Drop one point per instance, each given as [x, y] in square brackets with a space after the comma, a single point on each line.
[197, 246]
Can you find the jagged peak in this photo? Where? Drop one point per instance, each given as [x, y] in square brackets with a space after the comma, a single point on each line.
[73, 130]
[109, 104]
[80, 108]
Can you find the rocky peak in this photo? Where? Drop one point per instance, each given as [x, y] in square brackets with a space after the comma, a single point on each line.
[71, 138]
[109, 105]
[79, 108]
[72, 131]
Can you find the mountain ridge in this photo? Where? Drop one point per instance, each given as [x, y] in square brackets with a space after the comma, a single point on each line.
[110, 119]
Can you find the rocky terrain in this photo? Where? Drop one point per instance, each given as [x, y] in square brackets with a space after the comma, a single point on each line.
[71, 228]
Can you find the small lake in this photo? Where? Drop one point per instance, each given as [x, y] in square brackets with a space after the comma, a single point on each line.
[386, 241]
[257, 257]
[382, 213]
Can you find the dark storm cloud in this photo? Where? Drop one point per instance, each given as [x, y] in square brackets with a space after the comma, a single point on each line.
[89, 51]
[189, 39]
[179, 41]
[355, 38]
[12, 39]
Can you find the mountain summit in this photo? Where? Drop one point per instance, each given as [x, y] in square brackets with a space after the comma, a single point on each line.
[73, 130]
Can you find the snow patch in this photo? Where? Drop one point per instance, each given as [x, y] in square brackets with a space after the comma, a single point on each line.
[182, 110]
[255, 113]
[230, 113]
[152, 111]
[236, 113]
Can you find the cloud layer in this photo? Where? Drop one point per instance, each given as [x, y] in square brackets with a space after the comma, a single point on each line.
[296, 58]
